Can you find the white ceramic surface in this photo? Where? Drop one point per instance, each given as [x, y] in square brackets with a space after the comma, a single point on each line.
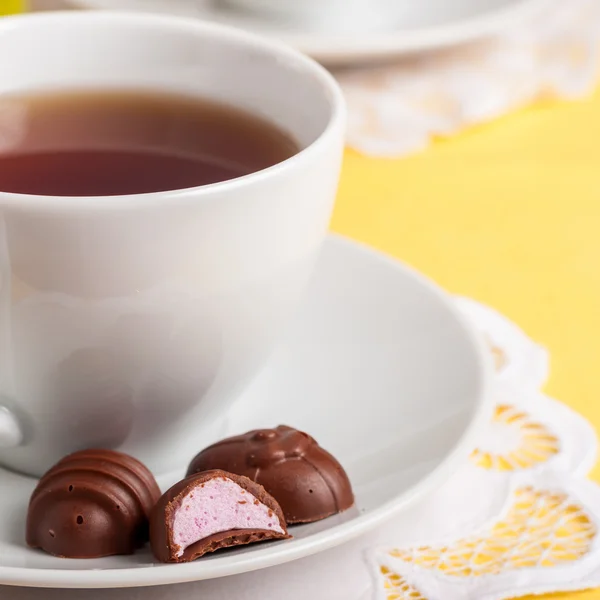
[325, 15]
[379, 366]
[420, 25]
[132, 322]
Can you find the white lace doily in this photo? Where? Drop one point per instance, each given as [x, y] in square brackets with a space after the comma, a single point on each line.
[396, 109]
[520, 518]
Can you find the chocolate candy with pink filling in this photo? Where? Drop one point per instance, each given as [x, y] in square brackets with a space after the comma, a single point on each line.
[307, 481]
[213, 510]
[92, 503]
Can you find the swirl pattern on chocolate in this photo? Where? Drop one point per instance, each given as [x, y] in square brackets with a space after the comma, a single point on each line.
[306, 480]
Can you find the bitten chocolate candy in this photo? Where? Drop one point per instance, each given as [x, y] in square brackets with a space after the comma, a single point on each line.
[91, 504]
[307, 481]
[213, 510]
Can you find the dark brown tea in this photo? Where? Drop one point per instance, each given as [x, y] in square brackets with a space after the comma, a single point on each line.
[110, 143]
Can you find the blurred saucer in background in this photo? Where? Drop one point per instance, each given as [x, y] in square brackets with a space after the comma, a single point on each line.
[355, 36]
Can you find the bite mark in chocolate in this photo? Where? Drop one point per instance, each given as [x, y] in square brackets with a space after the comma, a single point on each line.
[206, 512]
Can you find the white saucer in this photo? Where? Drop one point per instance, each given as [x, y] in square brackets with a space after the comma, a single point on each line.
[423, 26]
[380, 368]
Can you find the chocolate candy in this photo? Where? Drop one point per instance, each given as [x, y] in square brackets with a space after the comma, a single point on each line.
[91, 504]
[307, 481]
[212, 510]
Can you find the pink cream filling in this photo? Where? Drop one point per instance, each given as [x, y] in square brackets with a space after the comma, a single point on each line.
[219, 505]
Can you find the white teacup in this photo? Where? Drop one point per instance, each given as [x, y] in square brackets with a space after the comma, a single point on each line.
[133, 322]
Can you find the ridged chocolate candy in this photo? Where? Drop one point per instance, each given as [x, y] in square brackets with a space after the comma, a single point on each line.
[307, 481]
[213, 510]
[91, 504]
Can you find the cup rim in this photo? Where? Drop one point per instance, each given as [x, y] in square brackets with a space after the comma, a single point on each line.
[331, 89]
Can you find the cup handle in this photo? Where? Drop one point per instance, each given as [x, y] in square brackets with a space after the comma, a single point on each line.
[10, 431]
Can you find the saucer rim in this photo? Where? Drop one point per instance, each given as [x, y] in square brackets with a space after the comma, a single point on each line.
[280, 553]
[344, 50]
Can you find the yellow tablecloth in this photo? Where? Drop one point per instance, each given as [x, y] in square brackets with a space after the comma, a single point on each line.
[508, 214]
[9, 7]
